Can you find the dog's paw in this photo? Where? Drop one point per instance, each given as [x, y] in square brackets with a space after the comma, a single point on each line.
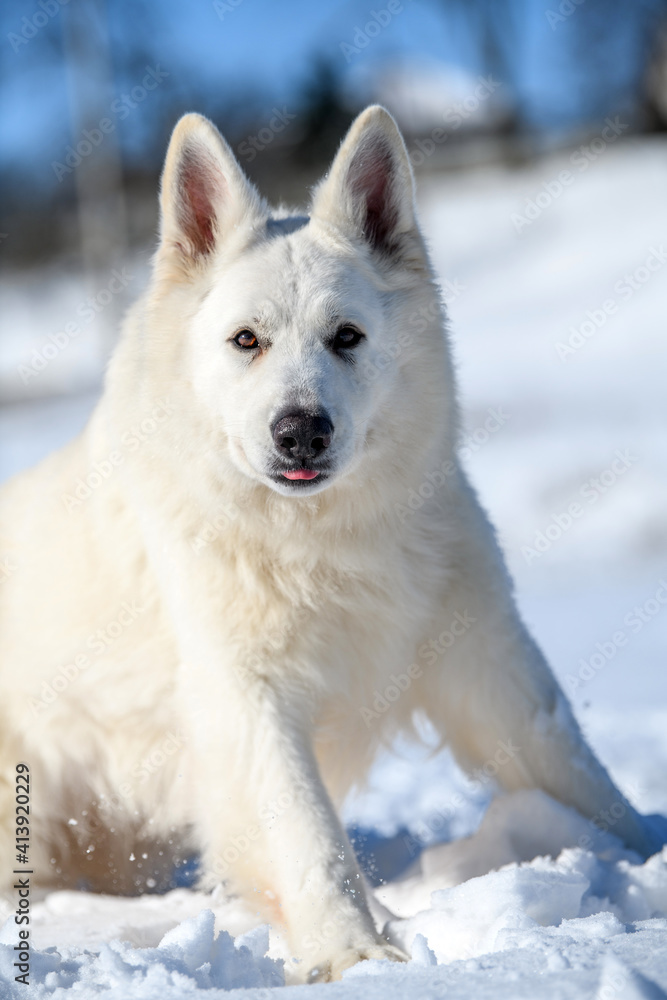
[332, 969]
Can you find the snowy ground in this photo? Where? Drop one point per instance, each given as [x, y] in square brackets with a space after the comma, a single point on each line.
[579, 923]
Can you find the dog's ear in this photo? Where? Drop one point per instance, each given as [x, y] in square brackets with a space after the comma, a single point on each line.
[204, 194]
[369, 192]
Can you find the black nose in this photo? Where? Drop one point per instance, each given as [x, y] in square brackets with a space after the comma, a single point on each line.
[302, 435]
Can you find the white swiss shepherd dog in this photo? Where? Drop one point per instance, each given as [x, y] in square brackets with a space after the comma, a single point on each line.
[204, 591]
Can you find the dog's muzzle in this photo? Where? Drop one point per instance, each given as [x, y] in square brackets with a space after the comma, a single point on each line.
[301, 440]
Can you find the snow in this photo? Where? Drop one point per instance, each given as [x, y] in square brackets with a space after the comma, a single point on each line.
[190, 957]
[576, 918]
[510, 897]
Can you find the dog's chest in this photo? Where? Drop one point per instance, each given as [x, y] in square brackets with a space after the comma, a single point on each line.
[329, 615]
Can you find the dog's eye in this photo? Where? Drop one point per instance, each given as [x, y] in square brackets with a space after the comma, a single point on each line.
[346, 338]
[246, 339]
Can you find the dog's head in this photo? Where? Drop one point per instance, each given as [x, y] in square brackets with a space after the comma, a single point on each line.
[303, 335]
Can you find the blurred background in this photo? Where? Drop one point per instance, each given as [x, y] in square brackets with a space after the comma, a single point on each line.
[537, 133]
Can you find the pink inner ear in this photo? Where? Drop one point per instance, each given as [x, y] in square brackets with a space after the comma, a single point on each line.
[371, 175]
[201, 188]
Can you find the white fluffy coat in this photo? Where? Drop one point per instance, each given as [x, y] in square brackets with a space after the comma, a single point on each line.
[196, 656]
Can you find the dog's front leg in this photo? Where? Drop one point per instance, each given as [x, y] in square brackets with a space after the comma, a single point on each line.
[258, 806]
[267, 825]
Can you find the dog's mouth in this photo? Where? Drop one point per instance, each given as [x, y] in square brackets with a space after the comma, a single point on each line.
[298, 477]
[294, 474]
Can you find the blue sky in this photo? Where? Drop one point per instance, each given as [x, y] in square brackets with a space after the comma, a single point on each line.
[268, 48]
[269, 45]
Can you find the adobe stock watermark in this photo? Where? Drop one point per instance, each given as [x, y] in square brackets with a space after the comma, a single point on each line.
[605, 651]
[255, 661]
[87, 310]
[453, 117]
[213, 528]
[625, 288]
[616, 980]
[436, 479]
[239, 844]
[364, 34]
[337, 922]
[565, 9]
[149, 765]
[31, 26]
[430, 652]
[7, 568]
[428, 829]
[605, 820]
[582, 158]
[223, 7]
[96, 644]
[131, 440]
[591, 491]
[120, 109]
[254, 144]
[418, 323]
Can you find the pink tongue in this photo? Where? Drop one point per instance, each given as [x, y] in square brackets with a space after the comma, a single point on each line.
[301, 474]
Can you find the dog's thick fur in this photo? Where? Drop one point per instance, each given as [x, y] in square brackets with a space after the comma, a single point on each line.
[192, 645]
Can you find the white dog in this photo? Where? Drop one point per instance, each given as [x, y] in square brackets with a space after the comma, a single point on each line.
[219, 599]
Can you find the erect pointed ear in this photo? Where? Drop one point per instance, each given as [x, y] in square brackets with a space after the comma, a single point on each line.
[369, 192]
[204, 194]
